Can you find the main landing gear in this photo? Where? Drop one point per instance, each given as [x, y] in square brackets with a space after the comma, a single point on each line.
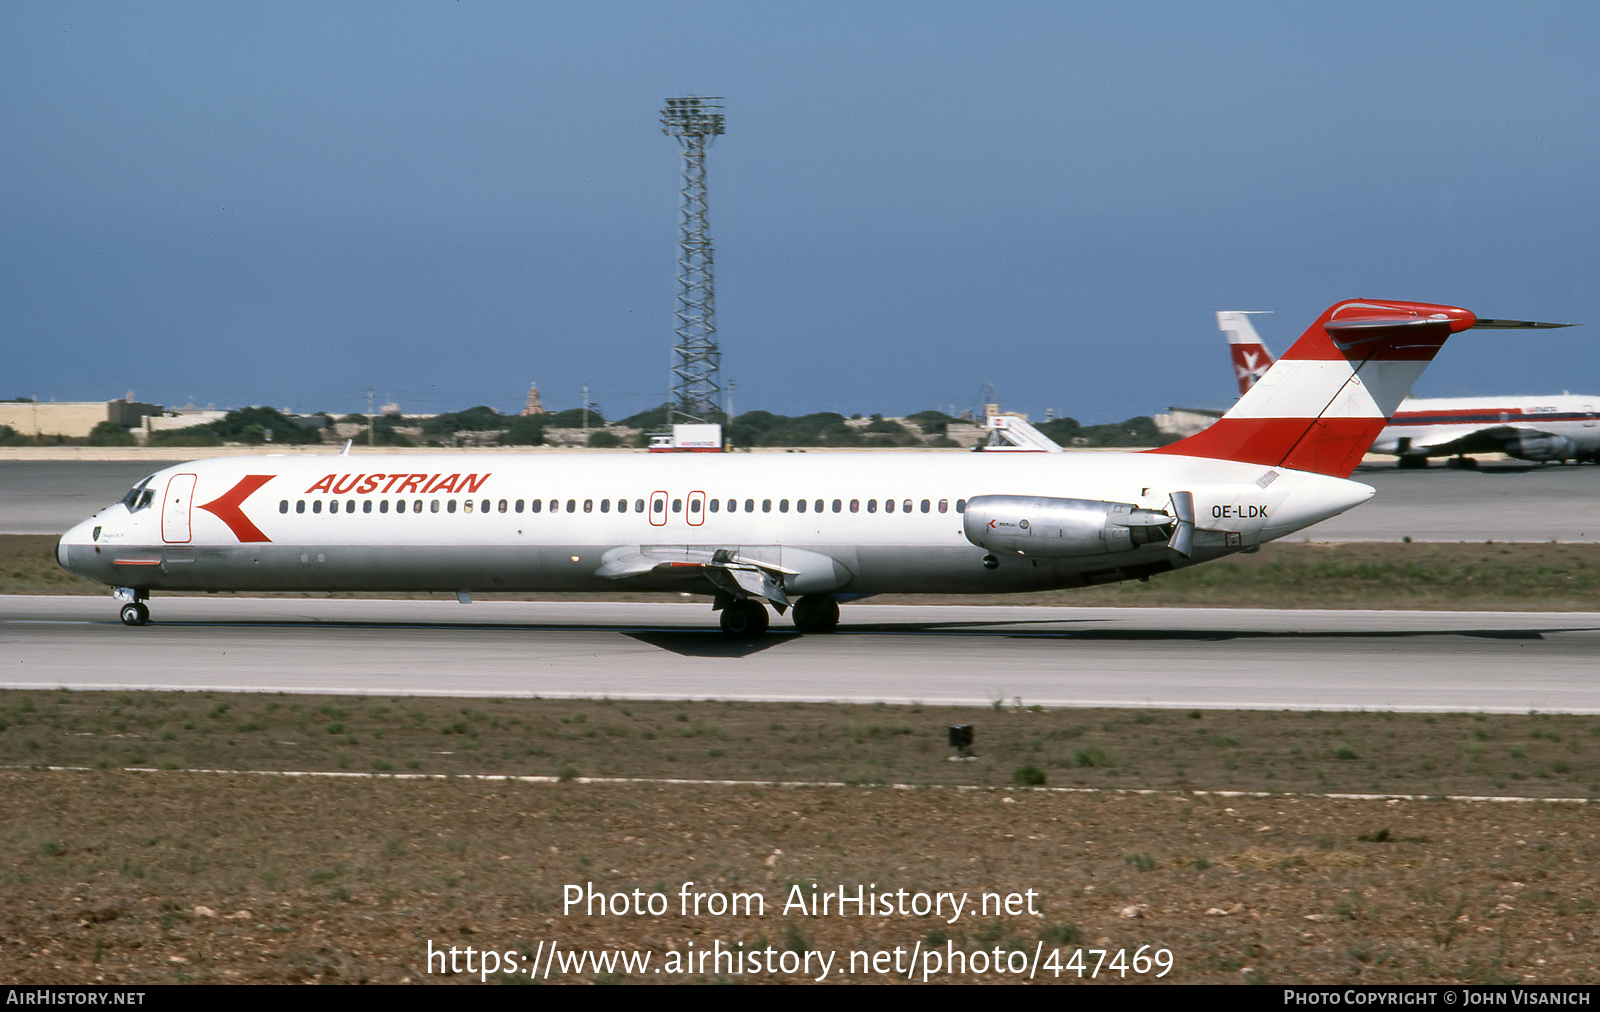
[744, 619]
[816, 613]
[749, 619]
[134, 610]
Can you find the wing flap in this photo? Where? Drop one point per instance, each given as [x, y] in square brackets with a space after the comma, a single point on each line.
[735, 574]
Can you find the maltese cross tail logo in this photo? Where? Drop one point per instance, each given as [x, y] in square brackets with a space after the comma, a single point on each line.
[226, 508]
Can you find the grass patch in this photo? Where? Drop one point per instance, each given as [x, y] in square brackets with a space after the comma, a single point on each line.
[1389, 753]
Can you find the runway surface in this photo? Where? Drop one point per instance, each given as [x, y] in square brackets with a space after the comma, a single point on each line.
[49, 496]
[1498, 502]
[1203, 658]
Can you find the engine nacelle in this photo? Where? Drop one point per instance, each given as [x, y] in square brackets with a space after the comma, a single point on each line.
[1061, 528]
[1541, 448]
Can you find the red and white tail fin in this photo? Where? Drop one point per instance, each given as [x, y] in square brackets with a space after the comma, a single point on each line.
[1321, 406]
[1250, 355]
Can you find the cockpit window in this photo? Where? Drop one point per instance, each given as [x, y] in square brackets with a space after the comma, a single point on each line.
[139, 497]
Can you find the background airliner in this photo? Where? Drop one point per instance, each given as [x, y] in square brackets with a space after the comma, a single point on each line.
[753, 531]
[1557, 427]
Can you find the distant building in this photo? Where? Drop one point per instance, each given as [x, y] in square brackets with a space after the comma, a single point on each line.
[1185, 421]
[533, 407]
[182, 418]
[74, 419]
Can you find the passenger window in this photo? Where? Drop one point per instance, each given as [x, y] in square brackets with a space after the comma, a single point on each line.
[766, 505]
[466, 505]
[300, 506]
[316, 505]
[519, 505]
[366, 505]
[677, 505]
[694, 505]
[333, 506]
[535, 505]
[416, 506]
[961, 505]
[383, 505]
[588, 505]
[800, 505]
[434, 506]
[836, 505]
[872, 505]
[572, 505]
[450, 507]
[622, 505]
[638, 505]
[819, 506]
[715, 505]
[484, 506]
[659, 506]
[926, 505]
[283, 506]
[888, 506]
[503, 506]
[944, 505]
[349, 505]
[855, 505]
[605, 505]
[749, 505]
[907, 506]
[783, 505]
[733, 505]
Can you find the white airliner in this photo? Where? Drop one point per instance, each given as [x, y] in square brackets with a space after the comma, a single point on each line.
[757, 530]
[1556, 427]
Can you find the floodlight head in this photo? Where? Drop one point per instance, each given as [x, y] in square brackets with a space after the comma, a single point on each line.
[692, 117]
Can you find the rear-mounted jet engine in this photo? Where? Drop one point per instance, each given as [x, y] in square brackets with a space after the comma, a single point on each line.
[1062, 528]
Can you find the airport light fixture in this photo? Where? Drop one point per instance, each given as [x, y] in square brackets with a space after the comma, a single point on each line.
[696, 357]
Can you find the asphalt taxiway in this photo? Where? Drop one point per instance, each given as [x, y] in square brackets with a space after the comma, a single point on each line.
[1201, 658]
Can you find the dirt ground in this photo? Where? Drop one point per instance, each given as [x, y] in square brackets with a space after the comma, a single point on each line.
[173, 875]
[168, 877]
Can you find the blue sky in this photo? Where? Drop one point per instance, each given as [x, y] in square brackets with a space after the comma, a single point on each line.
[287, 203]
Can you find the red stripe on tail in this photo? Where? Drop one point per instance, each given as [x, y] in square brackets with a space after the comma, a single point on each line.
[1316, 416]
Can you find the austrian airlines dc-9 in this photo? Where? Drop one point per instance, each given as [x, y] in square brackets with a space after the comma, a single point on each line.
[1553, 427]
[779, 530]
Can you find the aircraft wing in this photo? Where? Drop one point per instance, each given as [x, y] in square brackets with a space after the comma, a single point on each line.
[742, 576]
[1446, 442]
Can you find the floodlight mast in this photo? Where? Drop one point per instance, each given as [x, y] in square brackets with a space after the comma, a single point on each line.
[696, 359]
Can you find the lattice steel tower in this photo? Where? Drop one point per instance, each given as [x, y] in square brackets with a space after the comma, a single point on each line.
[696, 359]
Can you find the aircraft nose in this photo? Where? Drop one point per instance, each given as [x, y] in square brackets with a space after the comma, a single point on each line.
[80, 534]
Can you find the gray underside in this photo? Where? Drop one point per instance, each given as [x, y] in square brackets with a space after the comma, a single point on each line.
[856, 570]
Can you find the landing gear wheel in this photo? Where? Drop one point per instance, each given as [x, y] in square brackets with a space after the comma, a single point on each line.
[1462, 463]
[1408, 463]
[745, 620]
[135, 614]
[816, 613]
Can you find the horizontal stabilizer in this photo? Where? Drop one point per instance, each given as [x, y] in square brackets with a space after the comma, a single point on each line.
[1516, 325]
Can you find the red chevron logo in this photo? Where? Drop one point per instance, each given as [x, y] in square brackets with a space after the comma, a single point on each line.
[226, 508]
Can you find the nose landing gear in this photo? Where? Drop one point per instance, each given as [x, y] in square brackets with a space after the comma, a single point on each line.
[134, 610]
